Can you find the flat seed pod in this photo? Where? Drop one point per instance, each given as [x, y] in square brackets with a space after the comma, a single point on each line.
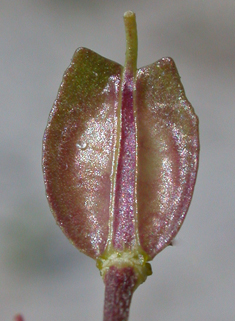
[168, 149]
[78, 147]
[120, 159]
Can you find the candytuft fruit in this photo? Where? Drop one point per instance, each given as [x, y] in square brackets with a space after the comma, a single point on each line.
[120, 159]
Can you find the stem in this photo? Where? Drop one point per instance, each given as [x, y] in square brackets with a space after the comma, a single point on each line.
[131, 41]
[18, 317]
[120, 284]
[121, 279]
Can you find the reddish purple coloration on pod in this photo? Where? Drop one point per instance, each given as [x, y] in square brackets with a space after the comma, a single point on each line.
[79, 148]
[120, 159]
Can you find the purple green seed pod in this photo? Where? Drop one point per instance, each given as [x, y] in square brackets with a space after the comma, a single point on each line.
[120, 159]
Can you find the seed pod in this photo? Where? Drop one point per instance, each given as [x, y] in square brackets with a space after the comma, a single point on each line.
[120, 158]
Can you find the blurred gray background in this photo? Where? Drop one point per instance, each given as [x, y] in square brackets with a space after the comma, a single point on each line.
[41, 274]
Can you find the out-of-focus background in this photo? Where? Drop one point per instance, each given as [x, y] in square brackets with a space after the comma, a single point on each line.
[41, 274]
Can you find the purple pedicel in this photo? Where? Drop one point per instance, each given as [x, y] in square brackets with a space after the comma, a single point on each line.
[119, 287]
[18, 317]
